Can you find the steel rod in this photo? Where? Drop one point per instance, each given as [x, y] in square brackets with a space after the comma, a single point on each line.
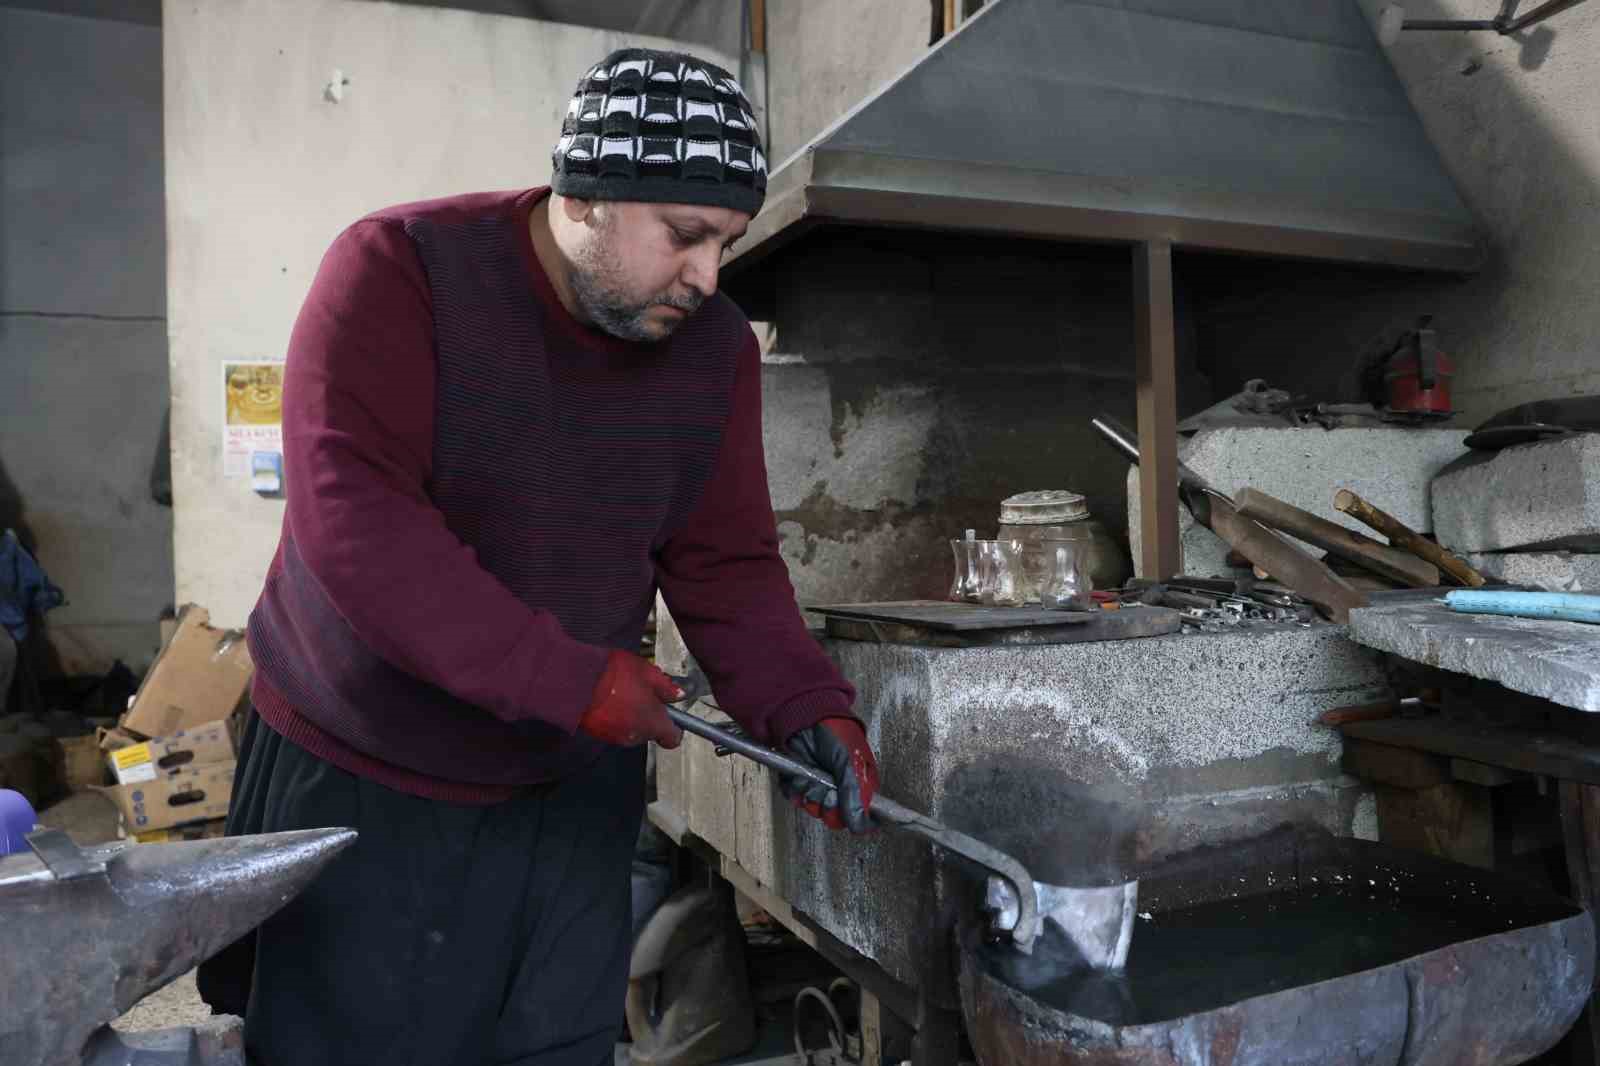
[1539, 14]
[1450, 24]
[768, 757]
[892, 815]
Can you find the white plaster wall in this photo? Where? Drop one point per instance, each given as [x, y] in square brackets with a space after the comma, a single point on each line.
[826, 56]
[83, 357]
[263, 172]
[1515, 121]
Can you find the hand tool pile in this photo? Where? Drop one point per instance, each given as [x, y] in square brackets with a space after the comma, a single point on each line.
[1267, 533]
[1210, 604]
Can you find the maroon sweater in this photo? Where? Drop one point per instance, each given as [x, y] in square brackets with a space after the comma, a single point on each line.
[483, 498]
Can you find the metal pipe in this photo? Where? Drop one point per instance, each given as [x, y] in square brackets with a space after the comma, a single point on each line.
[1539, 14]
[1503, 24]
[1450, 24]
[742, 745]
[1118, 436]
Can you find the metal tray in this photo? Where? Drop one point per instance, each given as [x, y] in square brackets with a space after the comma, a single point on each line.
[946, 624]
[1504, 991]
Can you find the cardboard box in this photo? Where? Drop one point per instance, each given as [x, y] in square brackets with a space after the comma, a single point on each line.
[115, 738]
[200, 676]
[83, 763]
[192, 794]
[192, 831]
[150, 759]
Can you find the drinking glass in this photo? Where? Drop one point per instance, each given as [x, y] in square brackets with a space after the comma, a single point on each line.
[1068, 587]
[1000, 573]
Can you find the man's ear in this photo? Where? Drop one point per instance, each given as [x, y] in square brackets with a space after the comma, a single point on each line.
[577, 210]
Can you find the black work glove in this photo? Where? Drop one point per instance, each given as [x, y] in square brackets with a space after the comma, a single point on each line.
[839, 748]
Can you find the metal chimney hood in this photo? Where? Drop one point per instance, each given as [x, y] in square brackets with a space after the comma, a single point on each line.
[1263, 127]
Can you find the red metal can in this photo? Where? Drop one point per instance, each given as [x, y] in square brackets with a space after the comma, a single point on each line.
[1410, 389]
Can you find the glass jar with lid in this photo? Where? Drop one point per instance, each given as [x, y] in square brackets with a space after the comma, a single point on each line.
[1033, 518]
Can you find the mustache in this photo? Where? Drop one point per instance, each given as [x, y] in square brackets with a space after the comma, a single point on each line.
[688, 304]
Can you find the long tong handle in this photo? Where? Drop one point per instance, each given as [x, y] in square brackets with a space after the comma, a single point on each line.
[891, 814]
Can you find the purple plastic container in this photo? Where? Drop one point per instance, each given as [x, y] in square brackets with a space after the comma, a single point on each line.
[16, 821]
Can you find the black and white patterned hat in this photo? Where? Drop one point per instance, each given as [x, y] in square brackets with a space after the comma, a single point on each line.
[662, 127]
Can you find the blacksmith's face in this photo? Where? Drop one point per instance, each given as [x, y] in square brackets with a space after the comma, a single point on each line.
[643, 268]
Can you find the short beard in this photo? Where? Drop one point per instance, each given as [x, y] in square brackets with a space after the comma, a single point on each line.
[598, 290]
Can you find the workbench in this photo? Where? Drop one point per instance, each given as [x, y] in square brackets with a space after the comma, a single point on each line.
[1517, 703]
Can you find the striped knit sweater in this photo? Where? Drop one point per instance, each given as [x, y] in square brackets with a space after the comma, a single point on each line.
[483, 498]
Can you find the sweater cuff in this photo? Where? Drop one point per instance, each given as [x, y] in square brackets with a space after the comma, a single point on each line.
[805, 711]
[566, 687]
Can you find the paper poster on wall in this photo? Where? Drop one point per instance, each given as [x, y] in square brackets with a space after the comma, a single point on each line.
[252, 413]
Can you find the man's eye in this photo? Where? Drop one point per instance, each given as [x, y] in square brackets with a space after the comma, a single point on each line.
[682, 239]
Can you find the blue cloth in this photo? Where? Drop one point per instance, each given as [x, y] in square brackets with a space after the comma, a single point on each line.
[25, 589]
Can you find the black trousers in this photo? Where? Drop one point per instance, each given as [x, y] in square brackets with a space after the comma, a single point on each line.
[447, 935]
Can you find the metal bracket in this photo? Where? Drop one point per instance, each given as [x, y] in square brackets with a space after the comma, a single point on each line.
[62, 857]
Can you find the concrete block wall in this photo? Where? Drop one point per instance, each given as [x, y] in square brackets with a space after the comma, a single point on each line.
[1559, 571]
[83, 336]
[1535, 496]
[918, 381]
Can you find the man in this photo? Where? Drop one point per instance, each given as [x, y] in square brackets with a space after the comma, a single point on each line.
[509, 420]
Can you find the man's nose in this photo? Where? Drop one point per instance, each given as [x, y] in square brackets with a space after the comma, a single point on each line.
[701, 269]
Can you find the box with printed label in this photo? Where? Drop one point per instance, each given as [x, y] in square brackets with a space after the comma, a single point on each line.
[150, 759]
[192, 794]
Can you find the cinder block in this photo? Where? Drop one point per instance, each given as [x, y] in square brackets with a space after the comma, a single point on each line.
[1544, 495]
[1389, 467]
[1554, 571]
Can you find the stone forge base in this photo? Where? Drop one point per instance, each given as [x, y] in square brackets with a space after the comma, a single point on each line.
[1086, 761]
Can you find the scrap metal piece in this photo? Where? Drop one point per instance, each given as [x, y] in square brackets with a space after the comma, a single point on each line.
[1097, 921]
[82, 950]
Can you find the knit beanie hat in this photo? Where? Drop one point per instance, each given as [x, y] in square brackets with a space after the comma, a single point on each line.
[662, 127]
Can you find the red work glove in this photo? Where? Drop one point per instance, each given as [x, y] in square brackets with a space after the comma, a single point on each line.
[627, 708]
[839, 748]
